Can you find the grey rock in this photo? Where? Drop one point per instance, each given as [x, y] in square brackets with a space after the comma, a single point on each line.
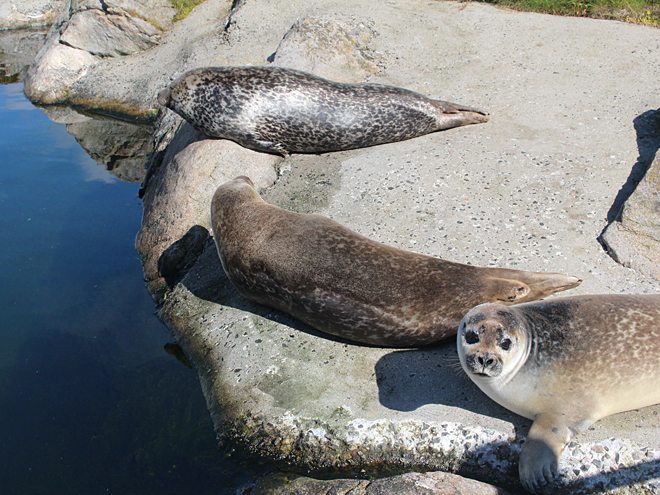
[633, 239]
[109, 35]
[178, 196]
[434, 483]
[334, 48]
[88, 33]
[22, 14]
[531, 190]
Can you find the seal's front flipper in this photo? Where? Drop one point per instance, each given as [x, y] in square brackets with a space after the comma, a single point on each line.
[507, 291]
[269, 147]
[539, 458]
[539, 284]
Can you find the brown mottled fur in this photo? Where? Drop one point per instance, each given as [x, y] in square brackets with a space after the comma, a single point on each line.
[347, 285]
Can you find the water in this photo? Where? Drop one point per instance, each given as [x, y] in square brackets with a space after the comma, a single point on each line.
[89, 400]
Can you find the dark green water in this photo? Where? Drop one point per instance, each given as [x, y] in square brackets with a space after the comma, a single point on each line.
[89, 400]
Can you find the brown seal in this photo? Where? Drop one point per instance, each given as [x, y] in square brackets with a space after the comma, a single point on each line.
[347, 285]
[280, 110]
[564, 363]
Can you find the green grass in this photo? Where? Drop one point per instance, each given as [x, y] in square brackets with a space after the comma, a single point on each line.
[646, 12]
[184, 7]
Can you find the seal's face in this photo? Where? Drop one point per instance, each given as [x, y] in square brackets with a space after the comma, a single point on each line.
[180, 92]
[490, 342]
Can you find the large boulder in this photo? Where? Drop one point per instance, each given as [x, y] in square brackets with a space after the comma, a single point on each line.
[22, 14]
[91, 33]
[633, 239]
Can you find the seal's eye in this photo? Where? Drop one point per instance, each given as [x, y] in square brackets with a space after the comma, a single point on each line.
[471, 337]
[506, 344]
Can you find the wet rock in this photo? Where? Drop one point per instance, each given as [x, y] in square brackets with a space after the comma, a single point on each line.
[434, 483]
[21, 14]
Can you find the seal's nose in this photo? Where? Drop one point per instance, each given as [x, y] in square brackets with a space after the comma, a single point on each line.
[164, 97]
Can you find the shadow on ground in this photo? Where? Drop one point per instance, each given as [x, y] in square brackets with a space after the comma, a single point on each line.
[647, 127]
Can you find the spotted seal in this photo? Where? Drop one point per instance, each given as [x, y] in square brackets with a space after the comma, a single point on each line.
[342, 283]
[564, 363]
[280, 110]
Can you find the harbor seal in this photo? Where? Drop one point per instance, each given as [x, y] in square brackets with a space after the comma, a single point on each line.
[565, 363]
[282, 111]
[347, 285]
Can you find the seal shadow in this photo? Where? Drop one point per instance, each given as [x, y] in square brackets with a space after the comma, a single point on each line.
[624, 476]
[193, 261]
[647, 128]
[409, 379]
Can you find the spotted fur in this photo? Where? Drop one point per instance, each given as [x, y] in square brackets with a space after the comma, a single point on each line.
[280, 110]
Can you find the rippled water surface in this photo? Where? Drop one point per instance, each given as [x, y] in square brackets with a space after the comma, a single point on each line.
[89, 400]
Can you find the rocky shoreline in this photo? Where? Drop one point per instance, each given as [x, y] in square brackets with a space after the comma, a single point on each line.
[531, 189]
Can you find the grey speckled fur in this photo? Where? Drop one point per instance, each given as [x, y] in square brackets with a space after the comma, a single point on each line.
[281, 110]
[348, 285]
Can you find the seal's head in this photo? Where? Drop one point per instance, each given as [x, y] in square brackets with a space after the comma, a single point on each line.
[164, 98]
[492, 343]
[181, 91]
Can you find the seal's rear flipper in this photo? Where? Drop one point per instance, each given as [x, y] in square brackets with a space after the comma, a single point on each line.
[449, 107]
[457, 115]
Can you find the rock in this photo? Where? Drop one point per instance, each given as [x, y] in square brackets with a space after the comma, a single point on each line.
[22, 14]
[108, 35]
[89, 33]
[333, 48]
[634, 239]
[178, 196]
[56, 67]
[530, 190]
[435, 483]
